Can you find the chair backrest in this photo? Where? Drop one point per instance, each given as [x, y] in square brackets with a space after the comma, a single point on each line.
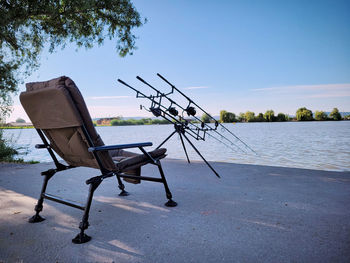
[58, 109]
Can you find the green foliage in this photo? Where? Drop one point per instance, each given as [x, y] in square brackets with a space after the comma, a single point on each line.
[5, 102]
[26, 26]
[145, 121]
[32, 162]
[260, 118]
[16, 127]
[303, 114]
[230, 117]
[321, 116]
[157, 121]
[269, 115]
[335, 115]
[124, 122]
[241, 117]
[6, 151]
[227, 117]
[20, 120]
[249, 116]
[282, 117]
[205, 118]
[222, 115]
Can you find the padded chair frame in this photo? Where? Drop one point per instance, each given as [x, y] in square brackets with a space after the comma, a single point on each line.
[94, 182]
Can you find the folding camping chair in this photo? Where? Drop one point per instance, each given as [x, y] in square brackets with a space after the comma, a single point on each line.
[61, 118]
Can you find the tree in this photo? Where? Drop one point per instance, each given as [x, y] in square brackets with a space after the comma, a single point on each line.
[26, 26]
[20, 120]
[241, 117]
[303, 114]
[222, 115]
[321, 116]
[282, 117]
[205, 118]
[227, 116]
[230, 117]
[335, 115]
[249, 116]
[260, 117]
[269, 115]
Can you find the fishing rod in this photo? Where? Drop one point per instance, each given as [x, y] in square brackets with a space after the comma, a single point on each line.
[172, 111]
[159, 93]
[211, 117]
[157, 109]
[191, 111]
[181, 126]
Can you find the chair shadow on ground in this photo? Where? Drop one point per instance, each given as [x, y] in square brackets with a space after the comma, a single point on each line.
[114, 220]
[108, 223]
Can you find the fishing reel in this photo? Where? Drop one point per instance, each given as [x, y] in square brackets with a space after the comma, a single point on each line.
[191, 111]
[157, 111]
[173, 111]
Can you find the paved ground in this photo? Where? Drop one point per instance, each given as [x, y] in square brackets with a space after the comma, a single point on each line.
[253, 214]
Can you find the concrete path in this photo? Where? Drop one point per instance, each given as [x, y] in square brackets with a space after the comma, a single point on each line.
[253, 214]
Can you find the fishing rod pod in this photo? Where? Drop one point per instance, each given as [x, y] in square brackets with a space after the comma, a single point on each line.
[194, 127]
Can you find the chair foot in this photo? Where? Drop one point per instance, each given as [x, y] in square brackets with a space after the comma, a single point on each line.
[123, 193]
[81, 238]
[170, 203]
[36, 219]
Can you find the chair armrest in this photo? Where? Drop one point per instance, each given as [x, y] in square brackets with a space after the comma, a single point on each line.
[41, 146]
[119, 146]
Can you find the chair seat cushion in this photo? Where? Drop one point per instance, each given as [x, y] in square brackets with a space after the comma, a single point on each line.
[128, 160]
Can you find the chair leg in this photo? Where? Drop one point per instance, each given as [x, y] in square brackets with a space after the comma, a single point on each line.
[170, 203]
[39, 206]
[84, 224]
[121, 187]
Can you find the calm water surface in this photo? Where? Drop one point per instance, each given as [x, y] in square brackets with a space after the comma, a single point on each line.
[313, 145]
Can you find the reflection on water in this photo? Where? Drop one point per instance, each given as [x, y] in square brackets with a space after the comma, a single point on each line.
[313, 145]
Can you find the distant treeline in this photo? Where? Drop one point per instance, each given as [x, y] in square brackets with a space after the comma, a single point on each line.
[145, 121]
[302, 114]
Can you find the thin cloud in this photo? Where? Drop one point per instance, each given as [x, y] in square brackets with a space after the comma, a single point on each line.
[108, 97]
[265, 89]
[308, 91]
[199, 87]
[330, 95]
[324, 87]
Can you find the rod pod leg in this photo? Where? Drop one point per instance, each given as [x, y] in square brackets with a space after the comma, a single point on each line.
[183, 145]
[201, 156]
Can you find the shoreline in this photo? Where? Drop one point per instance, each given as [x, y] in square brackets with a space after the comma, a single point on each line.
[198, 161]
[147, 124]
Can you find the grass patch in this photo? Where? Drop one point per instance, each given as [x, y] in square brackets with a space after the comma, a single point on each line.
[8, 151]
[19, 160]
[17, 127]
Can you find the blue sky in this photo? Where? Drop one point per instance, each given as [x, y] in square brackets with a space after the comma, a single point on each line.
[232, 55]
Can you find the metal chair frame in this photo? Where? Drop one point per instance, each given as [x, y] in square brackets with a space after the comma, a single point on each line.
[94, 182]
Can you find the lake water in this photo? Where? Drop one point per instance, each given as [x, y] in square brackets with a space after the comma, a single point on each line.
[312, 145]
